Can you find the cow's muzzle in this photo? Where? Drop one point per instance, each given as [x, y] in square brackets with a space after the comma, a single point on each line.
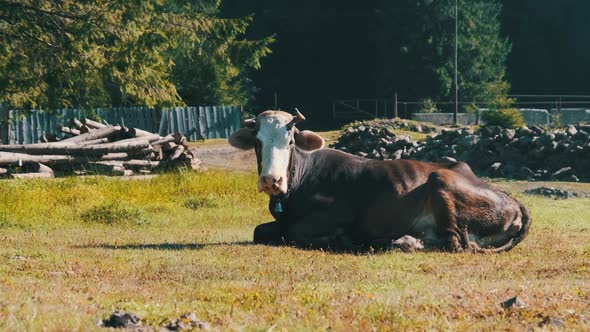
[272, 185]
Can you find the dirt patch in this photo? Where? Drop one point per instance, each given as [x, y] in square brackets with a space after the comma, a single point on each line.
[227, 157]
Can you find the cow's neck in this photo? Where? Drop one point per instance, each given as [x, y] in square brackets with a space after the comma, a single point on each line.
[299, 163]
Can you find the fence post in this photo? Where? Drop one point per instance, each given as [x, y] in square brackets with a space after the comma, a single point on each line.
[395, 106]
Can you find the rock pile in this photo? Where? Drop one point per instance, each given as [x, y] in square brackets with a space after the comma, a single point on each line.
[399, 124]
[555, 193]
[375, 143]
[525, 153]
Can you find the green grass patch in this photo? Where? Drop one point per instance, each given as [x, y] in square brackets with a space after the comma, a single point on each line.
[195, 203]
[112, 213]
[61, 271]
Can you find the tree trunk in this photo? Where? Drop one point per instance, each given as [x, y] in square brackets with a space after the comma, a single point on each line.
[69, 131]
[107, 132]
[75, 149]
[93, 124]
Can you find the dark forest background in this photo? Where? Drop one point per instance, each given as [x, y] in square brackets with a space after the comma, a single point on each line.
[288, 53]
[333, 49]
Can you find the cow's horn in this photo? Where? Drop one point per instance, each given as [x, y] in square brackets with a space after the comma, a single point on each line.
[249, 122]
[298, 117]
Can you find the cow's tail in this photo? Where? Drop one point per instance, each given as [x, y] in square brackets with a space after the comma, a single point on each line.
[522, 233]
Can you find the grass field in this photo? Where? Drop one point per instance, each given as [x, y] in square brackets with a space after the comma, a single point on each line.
[76, 249]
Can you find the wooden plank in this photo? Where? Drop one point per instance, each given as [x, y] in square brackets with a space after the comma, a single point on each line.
[210, 121]
[226, 122]
[237, 118]
[184, 121]
[162, 130]
[38, 126]
[196, 123]
[181, 122]
[202, 123]
[191, 124]
[187, 124]
[215, 123]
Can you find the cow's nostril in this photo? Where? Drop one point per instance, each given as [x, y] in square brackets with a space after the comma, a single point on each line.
[275, 180]
[274, 186]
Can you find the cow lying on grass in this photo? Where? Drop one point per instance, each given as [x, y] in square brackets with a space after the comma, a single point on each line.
[324, 198]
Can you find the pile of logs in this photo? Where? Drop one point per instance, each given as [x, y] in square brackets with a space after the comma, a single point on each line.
[91, 147]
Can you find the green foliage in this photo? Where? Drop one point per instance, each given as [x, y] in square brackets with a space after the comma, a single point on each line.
[429, 106]
[501, 112]
[482, 51]
[505, 118]
[112, 213]
[195, 203]
[556, 120]
[102, 53]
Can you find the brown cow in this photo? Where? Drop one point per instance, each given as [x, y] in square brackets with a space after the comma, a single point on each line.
[324, 198]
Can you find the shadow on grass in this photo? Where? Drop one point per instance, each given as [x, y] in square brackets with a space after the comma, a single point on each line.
[161, 246]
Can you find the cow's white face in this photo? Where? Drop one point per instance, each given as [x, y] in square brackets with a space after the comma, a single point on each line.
[274, 138]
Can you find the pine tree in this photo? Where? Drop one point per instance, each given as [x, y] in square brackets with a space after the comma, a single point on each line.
[92, 53]
[482, 51]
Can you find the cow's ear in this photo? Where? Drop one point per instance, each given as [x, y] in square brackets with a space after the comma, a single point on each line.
[308, 140]
[243, 139]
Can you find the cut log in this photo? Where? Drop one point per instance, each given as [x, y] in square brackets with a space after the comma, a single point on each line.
[115, 156]
[95, 141]
[38, 171]
[8, 158]
[109, 168]
[137, 139]
[93, 124]
[75, 149]
[76, 123]
[31, 175]
[3, 171]
[167, 139]
[107, 132]
[135, 132]
[136, 163]
[180, 139]
[178, 153]
[69, 131]
[48, 138]
[169, 146]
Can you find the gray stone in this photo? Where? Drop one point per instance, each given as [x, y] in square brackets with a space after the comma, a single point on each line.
[565, 171]
[121, 320]
[508, 134]
[188, 321]
[524, 131]
[495, 166]
[513, 303]
[551, 321]
[581, 135]
[547, 137]
[538, 130]
[447, 159]
[573, 178]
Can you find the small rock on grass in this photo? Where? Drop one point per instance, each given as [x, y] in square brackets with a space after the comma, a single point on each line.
[551, 321]
[187, 321]
[121, 320]
[513, 303]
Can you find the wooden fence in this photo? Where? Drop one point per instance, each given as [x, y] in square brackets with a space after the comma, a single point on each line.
[203, 122]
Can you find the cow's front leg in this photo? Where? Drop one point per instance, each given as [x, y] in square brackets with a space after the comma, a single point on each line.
[270, 233]
[328, 229]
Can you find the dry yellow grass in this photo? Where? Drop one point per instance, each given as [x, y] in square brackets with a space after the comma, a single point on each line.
[181, 242]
